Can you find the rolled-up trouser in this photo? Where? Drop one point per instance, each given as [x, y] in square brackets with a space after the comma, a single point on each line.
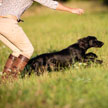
[12, 35]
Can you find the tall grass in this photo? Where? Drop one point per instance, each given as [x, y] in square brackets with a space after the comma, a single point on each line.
[71, 88]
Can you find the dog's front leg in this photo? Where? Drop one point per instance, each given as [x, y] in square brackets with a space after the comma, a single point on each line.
[90, 55]
[93, 60]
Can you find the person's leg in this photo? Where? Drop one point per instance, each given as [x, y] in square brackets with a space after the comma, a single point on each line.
[22, 46]
[12, 57]
[14, 33]
[15, 51]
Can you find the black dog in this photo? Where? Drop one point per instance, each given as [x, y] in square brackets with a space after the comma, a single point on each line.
[66, 57]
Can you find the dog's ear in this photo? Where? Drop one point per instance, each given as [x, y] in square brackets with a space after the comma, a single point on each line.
[81, 43]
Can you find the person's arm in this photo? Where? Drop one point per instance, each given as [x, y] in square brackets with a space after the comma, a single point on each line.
[56, 5]
[71, 10]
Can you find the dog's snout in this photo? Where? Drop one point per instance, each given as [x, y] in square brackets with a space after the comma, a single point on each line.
[100, 44]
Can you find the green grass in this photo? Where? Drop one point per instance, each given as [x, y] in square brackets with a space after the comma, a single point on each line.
[71, 88]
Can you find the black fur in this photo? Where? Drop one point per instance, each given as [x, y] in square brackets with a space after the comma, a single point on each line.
[66, 57]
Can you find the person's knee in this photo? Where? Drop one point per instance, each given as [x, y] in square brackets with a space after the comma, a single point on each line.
[28, 51]
[31, 51]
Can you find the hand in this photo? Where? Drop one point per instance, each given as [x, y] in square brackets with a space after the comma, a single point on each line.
[77, 11]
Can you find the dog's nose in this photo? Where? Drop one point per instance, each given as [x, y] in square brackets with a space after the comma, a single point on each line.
[102, 43]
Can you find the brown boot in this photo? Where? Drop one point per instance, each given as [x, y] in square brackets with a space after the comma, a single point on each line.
[8, 66]
[19, 65]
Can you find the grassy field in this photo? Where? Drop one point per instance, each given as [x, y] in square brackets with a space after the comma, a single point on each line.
[78, 87]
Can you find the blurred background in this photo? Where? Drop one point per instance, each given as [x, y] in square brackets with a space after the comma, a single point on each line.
[103, 2]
